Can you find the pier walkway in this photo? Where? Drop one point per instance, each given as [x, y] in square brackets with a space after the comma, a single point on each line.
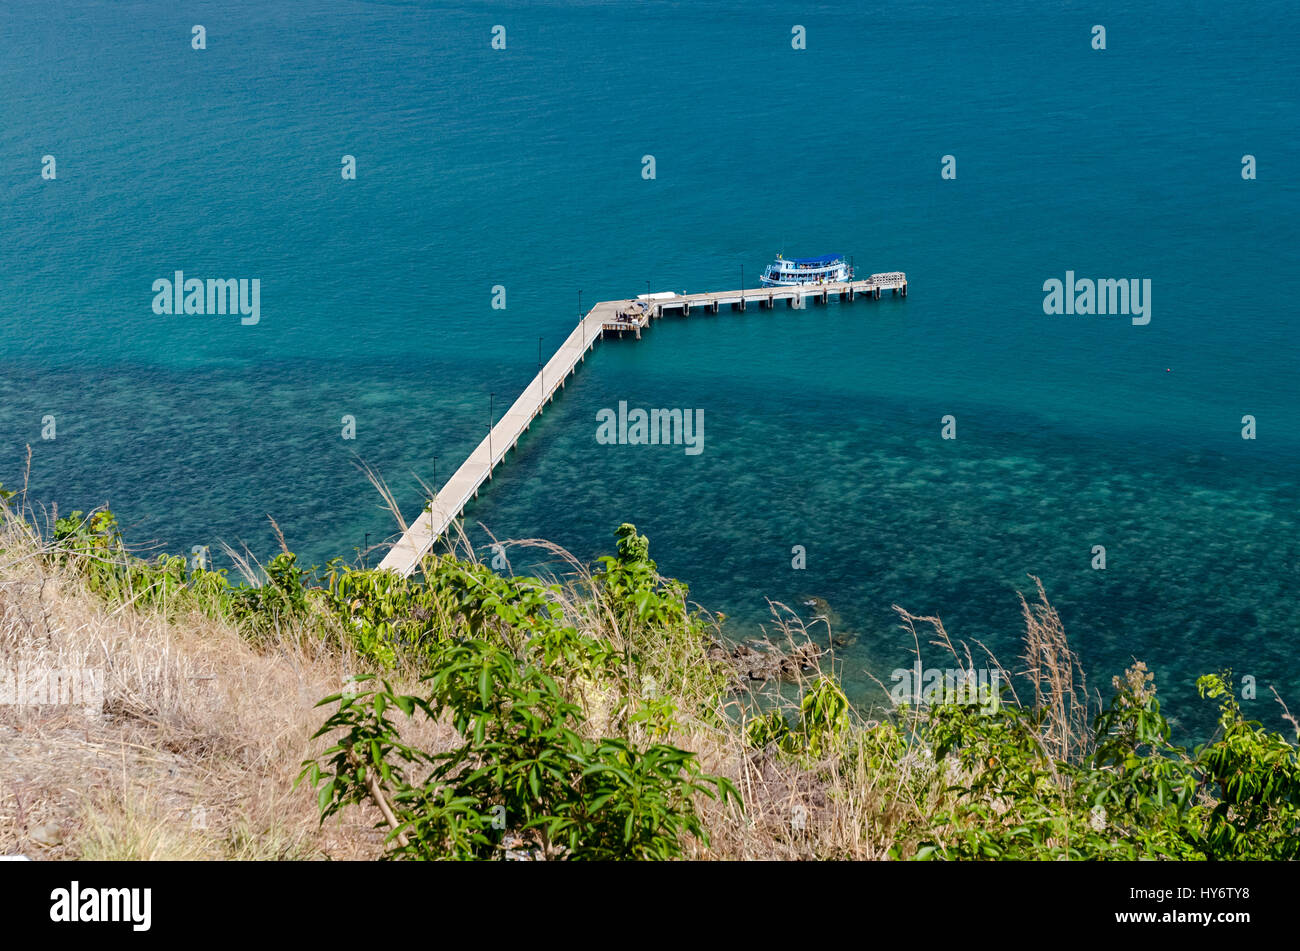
[612, 316]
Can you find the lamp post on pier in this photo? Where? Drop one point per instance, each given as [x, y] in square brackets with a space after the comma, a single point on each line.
[433, 492]
[491, 413]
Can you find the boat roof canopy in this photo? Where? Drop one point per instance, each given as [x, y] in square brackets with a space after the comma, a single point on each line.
[824, 259]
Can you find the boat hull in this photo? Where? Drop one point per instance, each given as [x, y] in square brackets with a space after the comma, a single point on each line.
[766, 282]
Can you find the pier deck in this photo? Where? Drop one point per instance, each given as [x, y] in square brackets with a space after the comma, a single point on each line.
[620, 316]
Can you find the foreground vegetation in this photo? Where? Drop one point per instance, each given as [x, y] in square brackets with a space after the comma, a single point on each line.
[471, 714]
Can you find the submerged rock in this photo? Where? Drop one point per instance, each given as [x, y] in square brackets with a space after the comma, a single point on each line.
[820, 610]
[766, 662]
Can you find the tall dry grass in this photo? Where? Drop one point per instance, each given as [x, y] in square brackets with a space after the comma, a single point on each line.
[199, 742]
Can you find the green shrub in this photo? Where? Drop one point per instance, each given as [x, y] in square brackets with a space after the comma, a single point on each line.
[822, 727]
[1137, 796]
[521, 766]
[94, 547]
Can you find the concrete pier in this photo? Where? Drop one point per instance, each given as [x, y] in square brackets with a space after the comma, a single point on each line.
[605, 317]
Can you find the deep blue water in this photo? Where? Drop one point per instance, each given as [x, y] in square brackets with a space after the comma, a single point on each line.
[522, 168]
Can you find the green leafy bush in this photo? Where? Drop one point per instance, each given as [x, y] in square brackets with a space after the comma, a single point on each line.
[522, 766]
[1137, 796]
[93, 545]
[823, 723]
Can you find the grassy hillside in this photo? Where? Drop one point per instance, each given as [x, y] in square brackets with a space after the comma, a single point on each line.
[334, 712]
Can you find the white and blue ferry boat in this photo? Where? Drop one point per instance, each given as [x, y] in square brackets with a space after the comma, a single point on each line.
[788, 272]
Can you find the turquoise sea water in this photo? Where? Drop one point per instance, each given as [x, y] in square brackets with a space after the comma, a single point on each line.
[522, 168]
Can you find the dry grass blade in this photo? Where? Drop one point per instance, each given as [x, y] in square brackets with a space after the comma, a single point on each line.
[386, 494]
[1056, 677]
